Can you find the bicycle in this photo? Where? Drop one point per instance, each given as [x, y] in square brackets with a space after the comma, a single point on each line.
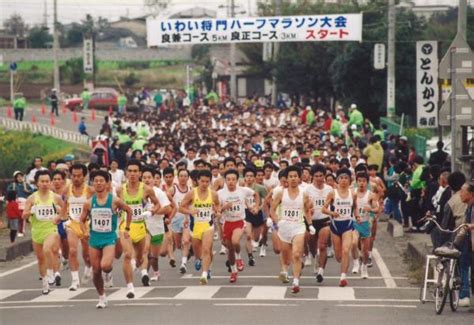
[447, 266]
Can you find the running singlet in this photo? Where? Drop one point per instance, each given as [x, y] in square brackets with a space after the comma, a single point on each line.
[75, 204]
[363, 202]
[318, 197]
[203, 207]
[292, 210]
[42, 219]
[154, 223]
[103, 219]
[135, 203]
[238, 198]
[343, 206]
[178, 197]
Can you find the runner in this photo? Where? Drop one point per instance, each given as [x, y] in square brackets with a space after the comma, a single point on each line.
[167, 186]
[233, 199]
[180, 221]
[342, 223]
[102, 235]
[366, 206]
[254, 222]
[295, 206]
[155, 225]
[135, 194]
[318, 191]
[377, 186]
[201, 203]
[77, 194]
[45, 210]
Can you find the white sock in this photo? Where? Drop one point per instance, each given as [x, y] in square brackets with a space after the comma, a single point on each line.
[356, 261]
[130, 286]
[296, 282]
[57, 274]
[88, 269]
[75, 275]
[102, 297]
[370, 254]
[133, 262]
[343, 276]
[204, 275]
[321, 271]
[144, 272]
[237, 256]
[49, 273]
[184, 260]
[233, 268]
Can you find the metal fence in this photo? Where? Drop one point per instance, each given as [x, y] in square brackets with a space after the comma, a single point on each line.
[417, 141]
[57, 133]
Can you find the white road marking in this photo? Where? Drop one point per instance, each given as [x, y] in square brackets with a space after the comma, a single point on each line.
[257, 305]
[190, 276]
[198, 293]
[59, 295]
[387, 277]
[35, 306]
[18, 269]
[267, 293]
[7, 293]
[147, 304]
[122, 293]
[187, 276]
[336, 293]
[378, 306]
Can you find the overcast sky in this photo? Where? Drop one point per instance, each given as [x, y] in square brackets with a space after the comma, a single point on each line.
[69, 11]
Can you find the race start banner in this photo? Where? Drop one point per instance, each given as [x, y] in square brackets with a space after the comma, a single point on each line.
[427, 84]
[338, 27]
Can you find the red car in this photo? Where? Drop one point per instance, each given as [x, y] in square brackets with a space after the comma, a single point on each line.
[101, 98]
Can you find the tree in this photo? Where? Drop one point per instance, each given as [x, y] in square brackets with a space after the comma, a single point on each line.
[39, 37]
[15, 26]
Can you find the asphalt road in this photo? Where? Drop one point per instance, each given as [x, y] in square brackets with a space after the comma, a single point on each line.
[65, 119]
[387, 297]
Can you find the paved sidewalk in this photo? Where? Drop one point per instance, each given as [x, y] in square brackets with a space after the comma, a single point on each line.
[21, 247]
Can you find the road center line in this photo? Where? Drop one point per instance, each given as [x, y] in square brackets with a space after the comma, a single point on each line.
[387, 277]
[35, 306]
[258, 305]
[377, 306]
[4, 274]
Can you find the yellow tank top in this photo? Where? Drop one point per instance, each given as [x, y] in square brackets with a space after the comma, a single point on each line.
[44, 211]
[136, 203]
[204, 207]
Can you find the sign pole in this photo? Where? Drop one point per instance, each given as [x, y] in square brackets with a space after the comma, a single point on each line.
[11, 86]
[391, 60]
[453, 109]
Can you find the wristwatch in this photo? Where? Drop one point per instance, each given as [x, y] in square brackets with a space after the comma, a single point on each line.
[127, 228]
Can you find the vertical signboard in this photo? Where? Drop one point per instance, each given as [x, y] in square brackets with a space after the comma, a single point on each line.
[88, 55]
[427, 84]
[379, 56]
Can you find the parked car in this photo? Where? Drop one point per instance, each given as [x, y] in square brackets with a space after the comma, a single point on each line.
[101, 99]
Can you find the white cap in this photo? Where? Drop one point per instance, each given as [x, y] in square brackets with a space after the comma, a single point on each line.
[353, 106]
[354, 127]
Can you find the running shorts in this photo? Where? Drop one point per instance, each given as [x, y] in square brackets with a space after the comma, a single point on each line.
[363, 228]
[137, 231]
[75, 227]
[62, 230]
[229, 227]
[255, 219]
[288, 231]
[177, 224]
[200, 228]
[340, 227]
[157, 239]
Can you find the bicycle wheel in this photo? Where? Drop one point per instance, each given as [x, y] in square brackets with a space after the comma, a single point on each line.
[442, 289]
[454, 287]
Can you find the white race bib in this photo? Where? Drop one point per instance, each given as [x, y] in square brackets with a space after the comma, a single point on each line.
[45, 212]
[292, 215]
[137, 212]
[75, 211]
[204, 215]
[101, 220]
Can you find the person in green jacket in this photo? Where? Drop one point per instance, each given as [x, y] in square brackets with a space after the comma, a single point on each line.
[19, 105]
[355, 116]
[86, 97]
[122, 103]
[336, 128]
[310, 117]
[416, 187]
[139, 143]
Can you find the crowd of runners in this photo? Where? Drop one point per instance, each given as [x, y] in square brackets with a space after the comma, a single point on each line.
[178, 181]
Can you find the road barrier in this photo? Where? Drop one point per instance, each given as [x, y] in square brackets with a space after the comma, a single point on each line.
[58, 133]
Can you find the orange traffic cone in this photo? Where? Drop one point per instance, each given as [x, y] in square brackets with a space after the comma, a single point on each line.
[33, 119]
[111, 110]
[43, 109]
[52, 122]
[93, 115]
[9, 112]
[74, 116]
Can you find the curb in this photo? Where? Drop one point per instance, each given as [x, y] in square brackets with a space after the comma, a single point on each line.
[417, 251]
[22, 248]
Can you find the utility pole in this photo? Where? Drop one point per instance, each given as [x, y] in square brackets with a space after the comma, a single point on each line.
[233, 77]
[462, 18]
[56, 48]
[276, 49]
[453, 108]
[391, 60]
[45, 14]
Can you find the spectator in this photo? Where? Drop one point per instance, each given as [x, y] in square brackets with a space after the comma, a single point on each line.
[439, 157]
[374, 153]
[122, 103]
[355, 116]
[37, 165]
[13, 215]
[86, 97]
[82, 126]
[19, 105]
[467, 197]
[22, 190]
[54, 100]
[416, 187]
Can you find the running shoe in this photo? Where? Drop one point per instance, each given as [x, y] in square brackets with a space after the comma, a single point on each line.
[183, 268]
[51, 280]
[240, 265]
[145, 280]
[356, 267]
[203, 280]
[57, 279]
[284, 277]
[197, 264]
[227, 263]
[330, 252]
[102, 304]
[45, 290]
[263, 250]
[74, 285]
[223, 250]
[254, 246]
[319, 278]
[251, 261]
[172, 263]
[369, 262]
[343, 283]
[233, 277]
[209, 275]
[131, 293]
[87, 276]
[295, 289]
[307, 261]
[363, 272]
[156, 276]
[108, 280]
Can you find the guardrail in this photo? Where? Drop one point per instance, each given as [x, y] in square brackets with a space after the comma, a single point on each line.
[417, 141]
[58, 133]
